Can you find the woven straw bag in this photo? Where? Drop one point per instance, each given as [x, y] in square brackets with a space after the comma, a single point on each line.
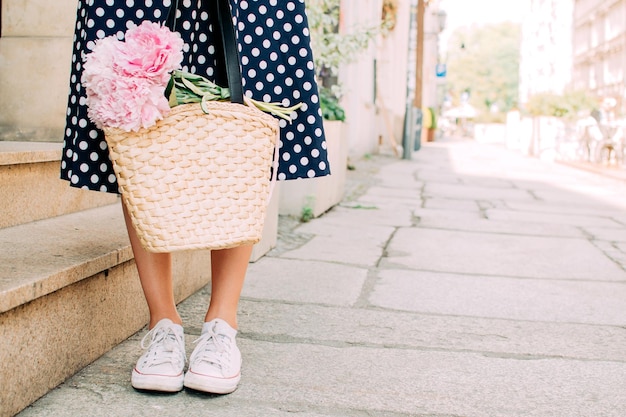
[196, 180]
[199, 180]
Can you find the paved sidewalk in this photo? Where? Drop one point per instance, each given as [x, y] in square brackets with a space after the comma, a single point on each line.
[470, 281]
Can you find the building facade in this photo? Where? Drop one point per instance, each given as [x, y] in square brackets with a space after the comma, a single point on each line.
[546, 50]
[599, 55]
[577, 44]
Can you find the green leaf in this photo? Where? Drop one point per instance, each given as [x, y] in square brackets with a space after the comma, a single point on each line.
[191, 86]
[172, 98]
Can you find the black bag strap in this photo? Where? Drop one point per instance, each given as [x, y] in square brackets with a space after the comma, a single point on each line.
[170, 21]
[226, 34]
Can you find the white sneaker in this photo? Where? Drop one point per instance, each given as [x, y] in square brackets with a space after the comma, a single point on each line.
[161, 367]
[215, 364]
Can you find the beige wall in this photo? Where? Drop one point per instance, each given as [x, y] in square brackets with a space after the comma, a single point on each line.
[35, 55]
[357, 79]
[393, 58]
[432, 29]
[393, 54]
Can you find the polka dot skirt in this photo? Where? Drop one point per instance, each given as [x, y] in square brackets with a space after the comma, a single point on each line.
[276, 62]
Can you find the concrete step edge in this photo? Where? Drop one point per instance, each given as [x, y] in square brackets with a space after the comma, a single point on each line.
[13, 153]
[31, 189]
[44, 256]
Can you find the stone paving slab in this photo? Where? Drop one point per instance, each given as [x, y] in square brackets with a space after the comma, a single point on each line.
[357, 245]
[407, 182]
[442, 215]
[372, 326]
[620, 218]
[396, 195]
[414, 382]
[304, 281]
[552, 218]
[341, 381]
[432, 219]
[353, 252]
[102, 390]
[599, 198]
[490, 182]
[438, 176]
[615, 251]
[359, 213]
[462, 205]
[475, 192]
[506, 298]
[500, 255]
[381, 220]
[590, 208]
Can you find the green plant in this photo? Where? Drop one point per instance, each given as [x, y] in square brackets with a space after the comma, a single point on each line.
[390, 14]
[433, 114]
[331, 109]
[307, 214]
[430, 118]
[362, 207]
[488, 117]
[307, 211]
[331, 48]
[567, 105]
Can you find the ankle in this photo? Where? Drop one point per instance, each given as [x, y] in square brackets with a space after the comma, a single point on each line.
[231, 320]
[154, 319]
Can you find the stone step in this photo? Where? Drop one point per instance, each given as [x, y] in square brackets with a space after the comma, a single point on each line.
[63, 281]
[30, 188]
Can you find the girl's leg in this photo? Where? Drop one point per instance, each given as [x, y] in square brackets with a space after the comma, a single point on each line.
[155, 274]
[161, 367]
[215, 363]
[228, 271]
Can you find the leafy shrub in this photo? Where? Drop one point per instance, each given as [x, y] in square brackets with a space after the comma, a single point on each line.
[568, 104]
[331, 109]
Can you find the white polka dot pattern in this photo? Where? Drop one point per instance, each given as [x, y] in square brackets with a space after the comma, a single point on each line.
[277, 66]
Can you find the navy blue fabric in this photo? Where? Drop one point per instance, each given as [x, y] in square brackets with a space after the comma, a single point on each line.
[276, 62]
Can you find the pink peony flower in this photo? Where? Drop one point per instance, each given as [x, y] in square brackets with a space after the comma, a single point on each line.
[126, 103]
[125, 81]
[151, 51]
[101, 61]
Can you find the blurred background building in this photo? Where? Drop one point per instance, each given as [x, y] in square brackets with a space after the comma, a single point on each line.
[546, 48]
[599, 55]
[574, 44]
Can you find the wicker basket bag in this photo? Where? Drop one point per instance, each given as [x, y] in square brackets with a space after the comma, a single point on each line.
[196, 180]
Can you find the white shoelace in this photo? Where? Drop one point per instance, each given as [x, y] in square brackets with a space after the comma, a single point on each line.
[164, 347]
[214, 348]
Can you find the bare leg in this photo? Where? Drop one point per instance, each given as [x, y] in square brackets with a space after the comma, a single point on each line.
[228, 271]
[155, 274]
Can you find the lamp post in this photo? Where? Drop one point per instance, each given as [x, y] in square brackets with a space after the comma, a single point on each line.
[419, 68]
[411, 140]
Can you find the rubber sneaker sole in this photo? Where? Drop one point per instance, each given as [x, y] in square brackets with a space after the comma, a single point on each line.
[162, 383]
[211, 384]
